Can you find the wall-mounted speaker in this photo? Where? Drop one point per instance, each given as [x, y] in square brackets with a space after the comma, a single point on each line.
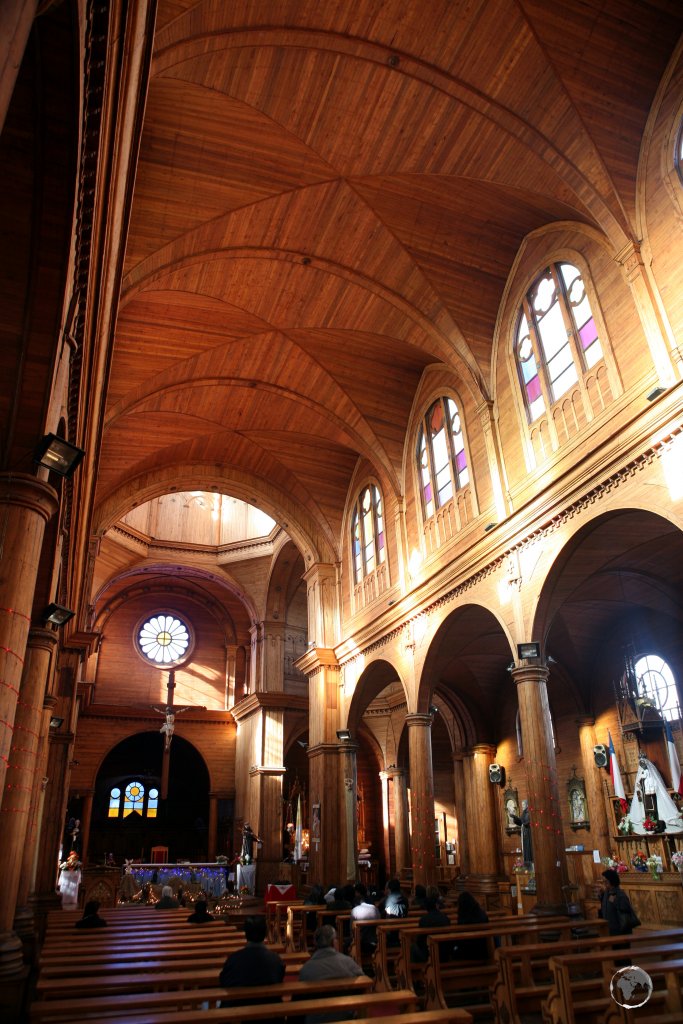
[497, 774]
[600, 755]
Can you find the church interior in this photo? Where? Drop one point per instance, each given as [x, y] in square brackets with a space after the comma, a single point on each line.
[341, 427]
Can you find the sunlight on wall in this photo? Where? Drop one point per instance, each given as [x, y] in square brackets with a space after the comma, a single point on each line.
[672, 465]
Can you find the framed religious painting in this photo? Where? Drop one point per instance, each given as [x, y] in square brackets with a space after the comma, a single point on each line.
[511, 810]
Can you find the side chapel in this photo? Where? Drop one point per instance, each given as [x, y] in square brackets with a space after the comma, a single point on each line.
[341, 442]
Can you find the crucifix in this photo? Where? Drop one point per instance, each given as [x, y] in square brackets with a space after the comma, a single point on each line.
[167, 729]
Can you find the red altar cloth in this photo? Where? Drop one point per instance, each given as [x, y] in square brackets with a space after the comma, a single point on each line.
[279, 892]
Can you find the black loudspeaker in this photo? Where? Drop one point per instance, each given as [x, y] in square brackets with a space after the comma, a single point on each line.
[600, 755]
[497, 774]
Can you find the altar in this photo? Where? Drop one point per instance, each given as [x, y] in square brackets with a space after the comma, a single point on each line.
[209, 876]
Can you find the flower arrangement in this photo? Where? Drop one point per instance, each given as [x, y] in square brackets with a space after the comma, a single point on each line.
[72, 863]
[625, 826]
[245, 890]
[244, 859]
[639, 860]
[614, 863]
[654, 865]
[649, 825]
[518, 866]
[221, 859]
[677, 859]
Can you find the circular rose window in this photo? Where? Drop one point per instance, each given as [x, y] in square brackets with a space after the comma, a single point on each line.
[164, 639]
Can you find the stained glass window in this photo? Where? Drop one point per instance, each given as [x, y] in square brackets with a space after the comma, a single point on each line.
[134, 799]
[152, 803]
[367, 533]
[557, 337]
[164, 639]
[656, 683]
[441, 455]
[114, 802]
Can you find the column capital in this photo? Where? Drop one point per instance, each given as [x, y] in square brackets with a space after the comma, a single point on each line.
[41, 638]
[424, 721]
[394, 772]
[489, 749]
[530, 674]
[27, 491]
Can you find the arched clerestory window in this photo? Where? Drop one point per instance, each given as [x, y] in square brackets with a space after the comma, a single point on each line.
[556, 339]
[655, 683]
[368, 541]
[135, 800]
[441, 455]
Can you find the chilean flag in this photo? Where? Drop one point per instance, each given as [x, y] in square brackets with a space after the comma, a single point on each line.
[676, 778]
[617, 784]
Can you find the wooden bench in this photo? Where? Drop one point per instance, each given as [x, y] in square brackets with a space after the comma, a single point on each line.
[85, 1007]
[392, 1003]
[665, 1006]
[276, 922]
[566, 1002]
[172, 974]
[469, 981]
[524, 978]
[298, 931]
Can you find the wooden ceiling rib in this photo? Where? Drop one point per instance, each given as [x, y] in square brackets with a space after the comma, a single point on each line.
[330, 198]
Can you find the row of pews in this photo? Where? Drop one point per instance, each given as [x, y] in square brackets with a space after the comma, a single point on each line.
[553, 969]
[152, 967]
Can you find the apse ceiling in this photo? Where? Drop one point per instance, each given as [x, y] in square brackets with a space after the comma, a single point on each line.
[329, 198]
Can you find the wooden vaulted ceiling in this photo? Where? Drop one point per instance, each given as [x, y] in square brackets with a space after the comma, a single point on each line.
[329, 198]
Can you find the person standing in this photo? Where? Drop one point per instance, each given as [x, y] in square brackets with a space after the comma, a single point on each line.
[615, 906]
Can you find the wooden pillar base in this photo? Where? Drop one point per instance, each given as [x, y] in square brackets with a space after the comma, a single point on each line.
[13, 996]
[11, 955]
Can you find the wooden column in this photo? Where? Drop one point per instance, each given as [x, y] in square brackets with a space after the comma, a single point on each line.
[86, 820]
[26, 504]
[656, 328]
[461, 813]
[401, 819]
[550, 863]
[326, 773]
[421, 798]
[16, 19]
[60, 745]
[23, 919]
[230, 674]
[213, 826]
[386, 825]
[20, 777]
[482, 828]
[269, 780]
[597, 812]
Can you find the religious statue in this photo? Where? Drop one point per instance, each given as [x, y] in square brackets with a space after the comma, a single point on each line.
[70, 880]
[249, 837]
[524, 821]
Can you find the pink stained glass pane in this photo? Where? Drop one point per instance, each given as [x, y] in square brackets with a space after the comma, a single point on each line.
[460, 461]
[533, 389]
[588, 333]
[428, 493]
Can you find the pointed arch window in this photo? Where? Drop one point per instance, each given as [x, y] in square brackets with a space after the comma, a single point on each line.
[441, 455]
[557, 337]
[368, 539]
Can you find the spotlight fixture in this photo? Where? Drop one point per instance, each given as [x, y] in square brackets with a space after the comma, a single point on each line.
[57, 614]
[530, 650]
[303, 744]
[433, 710]
[655, 393]
[56, 723]
[58, 455]
[343, 735]
[489, 526]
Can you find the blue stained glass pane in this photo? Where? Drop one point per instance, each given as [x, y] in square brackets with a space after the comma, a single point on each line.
[529, 369]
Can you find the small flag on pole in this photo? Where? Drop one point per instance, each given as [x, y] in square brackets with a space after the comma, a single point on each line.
[617, 784]
[674, 764]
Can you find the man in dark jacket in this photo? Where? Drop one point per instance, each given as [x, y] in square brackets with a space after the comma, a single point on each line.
[254, 965]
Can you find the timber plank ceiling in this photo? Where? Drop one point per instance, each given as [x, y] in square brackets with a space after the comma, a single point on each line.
[329, 198]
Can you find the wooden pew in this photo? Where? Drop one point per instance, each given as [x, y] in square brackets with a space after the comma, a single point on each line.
[566, 1003]
[67, 983]
[275, 922]
[469, 981]
[391, 1004]
[665, 1006]
[387, 957]
[297, 932]
[88, 1007]
[524, 978]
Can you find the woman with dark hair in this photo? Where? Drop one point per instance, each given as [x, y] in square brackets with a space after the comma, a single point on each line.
[472, 914]
[91, 919]
[201, 914]
[615, 906]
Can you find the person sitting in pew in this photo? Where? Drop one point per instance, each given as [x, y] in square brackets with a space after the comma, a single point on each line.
[364, 910]
[168, 900]
[470, 913]
[91, 919]
[433, 918]
[201, 914]
[254, 965]
[327, 962]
